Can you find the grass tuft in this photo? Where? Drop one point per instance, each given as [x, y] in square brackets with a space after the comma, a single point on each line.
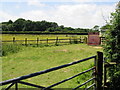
[10, 49]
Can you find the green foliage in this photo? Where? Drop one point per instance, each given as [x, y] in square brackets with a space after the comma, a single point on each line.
[112, 49]
[10, 48]
[96, 28]
[41, 26]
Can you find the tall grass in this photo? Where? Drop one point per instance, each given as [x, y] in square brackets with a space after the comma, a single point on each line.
[10, 49]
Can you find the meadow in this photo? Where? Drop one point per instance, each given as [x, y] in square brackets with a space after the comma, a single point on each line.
[34, 59]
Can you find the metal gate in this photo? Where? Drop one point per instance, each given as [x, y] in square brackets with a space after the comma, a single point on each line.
[96, 78]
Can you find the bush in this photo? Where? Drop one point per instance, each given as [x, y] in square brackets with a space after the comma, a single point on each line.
[112, 49]
[10, 48]
[115, 81]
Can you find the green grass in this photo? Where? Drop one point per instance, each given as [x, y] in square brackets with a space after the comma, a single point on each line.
[10, 49]
[34, 59]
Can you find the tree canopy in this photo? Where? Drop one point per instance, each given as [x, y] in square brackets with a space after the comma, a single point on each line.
[42, 26]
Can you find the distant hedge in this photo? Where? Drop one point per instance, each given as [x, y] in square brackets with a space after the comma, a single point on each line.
[38, 32]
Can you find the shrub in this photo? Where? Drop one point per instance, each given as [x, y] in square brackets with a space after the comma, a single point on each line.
[10, 48]
[112, 49]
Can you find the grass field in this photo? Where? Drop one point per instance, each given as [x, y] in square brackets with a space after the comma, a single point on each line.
[34, 59]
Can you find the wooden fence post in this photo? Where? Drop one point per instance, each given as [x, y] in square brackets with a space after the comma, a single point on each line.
[13, 40]
[37, 42]
[86, 40]
[99, 71]
[25, 41]
[80, 39]
[70, 40]
[56, 43]
[47, 41]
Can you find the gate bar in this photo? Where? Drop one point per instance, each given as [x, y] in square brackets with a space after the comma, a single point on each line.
[26, 83]
[69, 78]
[84, 83]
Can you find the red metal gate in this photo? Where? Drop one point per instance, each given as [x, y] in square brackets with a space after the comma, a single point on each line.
[93, 38]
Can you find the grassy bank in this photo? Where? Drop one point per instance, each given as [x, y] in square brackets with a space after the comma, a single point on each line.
[34, 59]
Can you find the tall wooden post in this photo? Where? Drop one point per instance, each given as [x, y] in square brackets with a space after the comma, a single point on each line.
[37, 42]
[99, 71]
[13, 40]
[86, 40]
[25, 41]
[70, 40]
[56, 43]
[47, 41]
[80, 39]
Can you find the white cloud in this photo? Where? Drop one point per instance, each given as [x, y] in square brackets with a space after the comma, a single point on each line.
[6, 16]
[17, 6]
[35, 3]
[34, 15]
[81, 15]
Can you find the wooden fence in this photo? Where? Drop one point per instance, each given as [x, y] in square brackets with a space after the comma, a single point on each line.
[47, 41]
[97, 75]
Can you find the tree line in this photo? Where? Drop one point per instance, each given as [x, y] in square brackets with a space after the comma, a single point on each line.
[42, 26]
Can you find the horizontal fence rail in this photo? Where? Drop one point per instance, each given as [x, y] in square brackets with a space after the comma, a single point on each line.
[97, 58]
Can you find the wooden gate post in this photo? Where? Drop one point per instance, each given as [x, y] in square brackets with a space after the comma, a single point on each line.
[99, 71]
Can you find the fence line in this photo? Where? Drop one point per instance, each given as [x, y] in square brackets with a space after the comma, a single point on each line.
[47, 41]
[56, 41]
[97, 78]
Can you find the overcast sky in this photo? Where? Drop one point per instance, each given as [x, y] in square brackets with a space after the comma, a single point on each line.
[70, 13]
